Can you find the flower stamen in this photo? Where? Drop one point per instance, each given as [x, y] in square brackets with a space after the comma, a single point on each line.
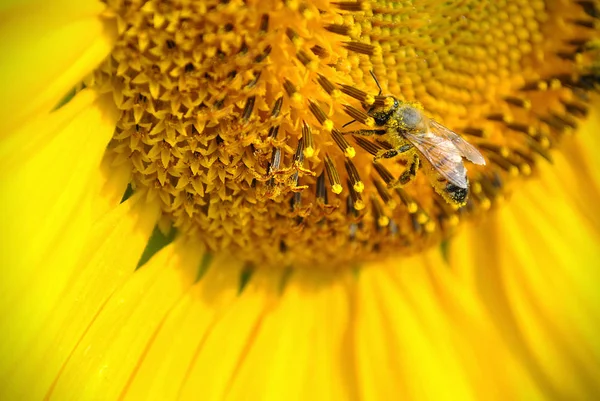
[233, 114]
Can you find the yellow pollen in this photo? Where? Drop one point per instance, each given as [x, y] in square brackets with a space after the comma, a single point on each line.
[369, 100]
[350, 152]
[297, 99]
[430, 227]
[260, 126]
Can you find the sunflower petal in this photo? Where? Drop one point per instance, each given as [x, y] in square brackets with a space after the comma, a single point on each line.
[114, 181]
[419, 334]
[46, 49]
[50, 173]
[297, 351]
[534, 266]
[168, 362]
[49, 206]
[393, 339]
[126, 325]
[575, 173]
[230, 337]
[46, 332]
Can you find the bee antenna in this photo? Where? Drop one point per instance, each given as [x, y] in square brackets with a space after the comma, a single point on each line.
[348, 123]
[376, 81]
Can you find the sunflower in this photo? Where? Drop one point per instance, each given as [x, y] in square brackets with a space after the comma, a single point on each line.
[188, 213]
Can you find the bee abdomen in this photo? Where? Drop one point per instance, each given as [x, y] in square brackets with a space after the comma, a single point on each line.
[456, 193]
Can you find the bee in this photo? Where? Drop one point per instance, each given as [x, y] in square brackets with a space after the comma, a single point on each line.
[405, 127]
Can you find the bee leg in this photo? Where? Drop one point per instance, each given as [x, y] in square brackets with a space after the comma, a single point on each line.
[385, 154]
[408, 175]
[366, 132]
[388, 154]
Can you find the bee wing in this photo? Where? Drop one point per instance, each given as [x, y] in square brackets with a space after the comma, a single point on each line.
[466, 149]
[443, 156]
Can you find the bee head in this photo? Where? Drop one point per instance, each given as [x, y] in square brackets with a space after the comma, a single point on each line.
[382, 114]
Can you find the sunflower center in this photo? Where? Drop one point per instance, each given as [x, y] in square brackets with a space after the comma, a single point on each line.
[233, 115]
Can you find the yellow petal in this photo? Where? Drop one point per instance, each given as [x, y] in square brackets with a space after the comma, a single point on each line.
[534, 266]
[44, 329]
[486, 362]
[46, 48]
[218, 344]
[113, 183]
[168, 362]
[229, 338]
[575, 173]
[420, 336]
[66, 7]
[299, 348]
[50, 172]
[125, 327]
